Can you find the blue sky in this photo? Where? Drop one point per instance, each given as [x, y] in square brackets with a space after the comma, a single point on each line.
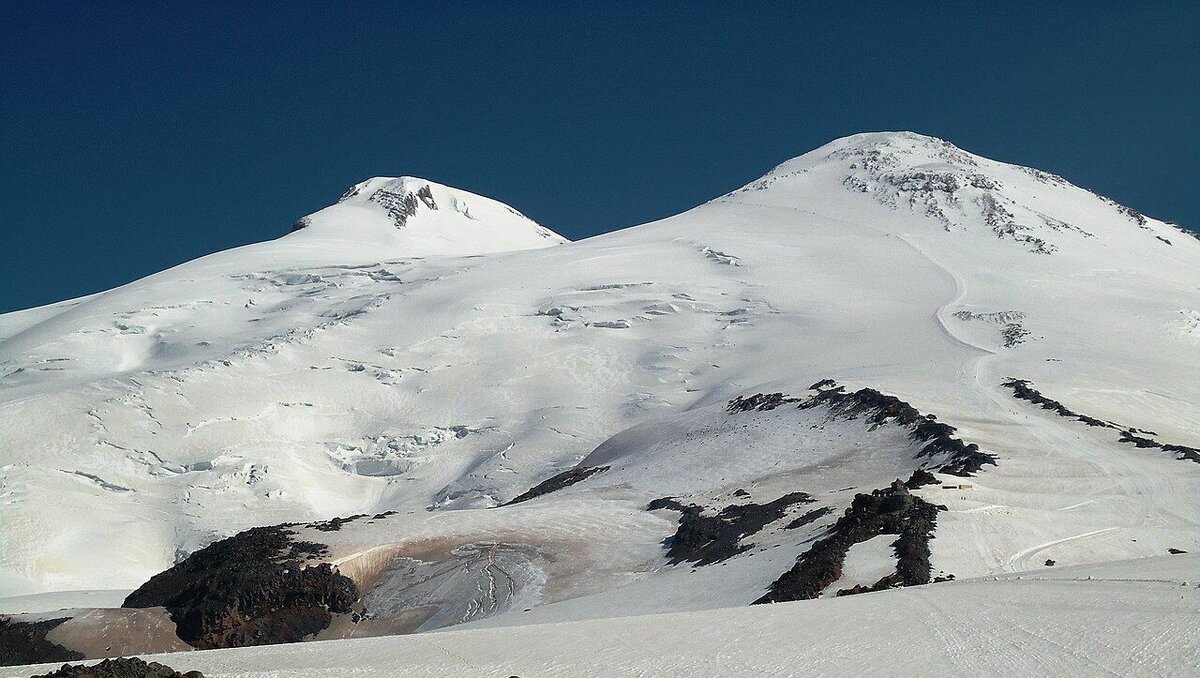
[135, 136]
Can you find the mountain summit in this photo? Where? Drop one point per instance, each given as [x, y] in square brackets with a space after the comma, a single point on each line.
[417, 217]
[913, 174]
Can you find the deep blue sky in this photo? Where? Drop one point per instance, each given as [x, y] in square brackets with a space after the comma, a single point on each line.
[136, 136]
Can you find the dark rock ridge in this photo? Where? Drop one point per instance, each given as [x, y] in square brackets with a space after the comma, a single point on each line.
[558, 482]
[335, 524]
[122, 667]
[809, 518]
[705, 540]
[25, 643]
[920, 478]
[250, 589]
[1181, 451]
[763, 402]
[1184, 231]
[670, 503]
[1022, 390]
[887, 511]
[959, 458]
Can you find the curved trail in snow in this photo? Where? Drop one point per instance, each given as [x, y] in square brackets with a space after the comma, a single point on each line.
[1052, 436]
[1023, 560]
[1130, 482]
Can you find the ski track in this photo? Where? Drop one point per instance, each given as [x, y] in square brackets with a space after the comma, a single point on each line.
[1020, 560]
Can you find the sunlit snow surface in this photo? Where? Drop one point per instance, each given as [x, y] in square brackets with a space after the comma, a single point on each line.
[445, 362]
[1131, 618]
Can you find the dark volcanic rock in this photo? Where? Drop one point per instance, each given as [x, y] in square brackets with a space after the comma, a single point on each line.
[705, 540]
[426, 196]
[877, 408]
[558, 482]
[763, 402]
[25, 643]
[1181, 451]
[810, 517]
[1022, 390]
[123, 667]
[249, 589]
[1176, 552]
[1137, 437]
[920, 478]
[960, 458]
[335, 524]
[665, 503]
[1014, 334]
[887, 511]
[1184, 231]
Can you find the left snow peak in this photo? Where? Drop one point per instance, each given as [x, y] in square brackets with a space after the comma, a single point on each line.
[417, 217]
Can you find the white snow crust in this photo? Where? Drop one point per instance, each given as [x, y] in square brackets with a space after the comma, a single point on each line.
[440, 364]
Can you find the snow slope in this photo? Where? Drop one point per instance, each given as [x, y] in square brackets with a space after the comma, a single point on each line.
[371, 361]
[1131, 618]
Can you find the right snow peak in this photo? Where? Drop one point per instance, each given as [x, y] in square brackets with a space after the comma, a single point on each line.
[927, 177]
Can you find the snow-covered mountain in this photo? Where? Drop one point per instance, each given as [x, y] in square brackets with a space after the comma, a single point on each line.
[406, 216]
[674, 417]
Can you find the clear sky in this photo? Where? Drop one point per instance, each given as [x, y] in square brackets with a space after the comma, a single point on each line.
[135, 136]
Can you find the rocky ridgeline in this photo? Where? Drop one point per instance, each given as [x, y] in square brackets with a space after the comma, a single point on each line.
[123, 667]
[1022, 390]
[893, 510]
[952, 455]
[557, 482]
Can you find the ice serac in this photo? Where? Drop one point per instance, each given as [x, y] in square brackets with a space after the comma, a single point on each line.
[417, 217]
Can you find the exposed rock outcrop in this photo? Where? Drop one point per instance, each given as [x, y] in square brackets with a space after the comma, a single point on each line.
[254, 588]
[1022, 390]
[558, 482]
[122, 667]
[887, 511]
[25, 643]
[955, 457]
[707, 539]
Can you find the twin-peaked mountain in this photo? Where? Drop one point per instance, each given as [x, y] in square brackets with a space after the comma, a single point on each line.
[702, 411]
